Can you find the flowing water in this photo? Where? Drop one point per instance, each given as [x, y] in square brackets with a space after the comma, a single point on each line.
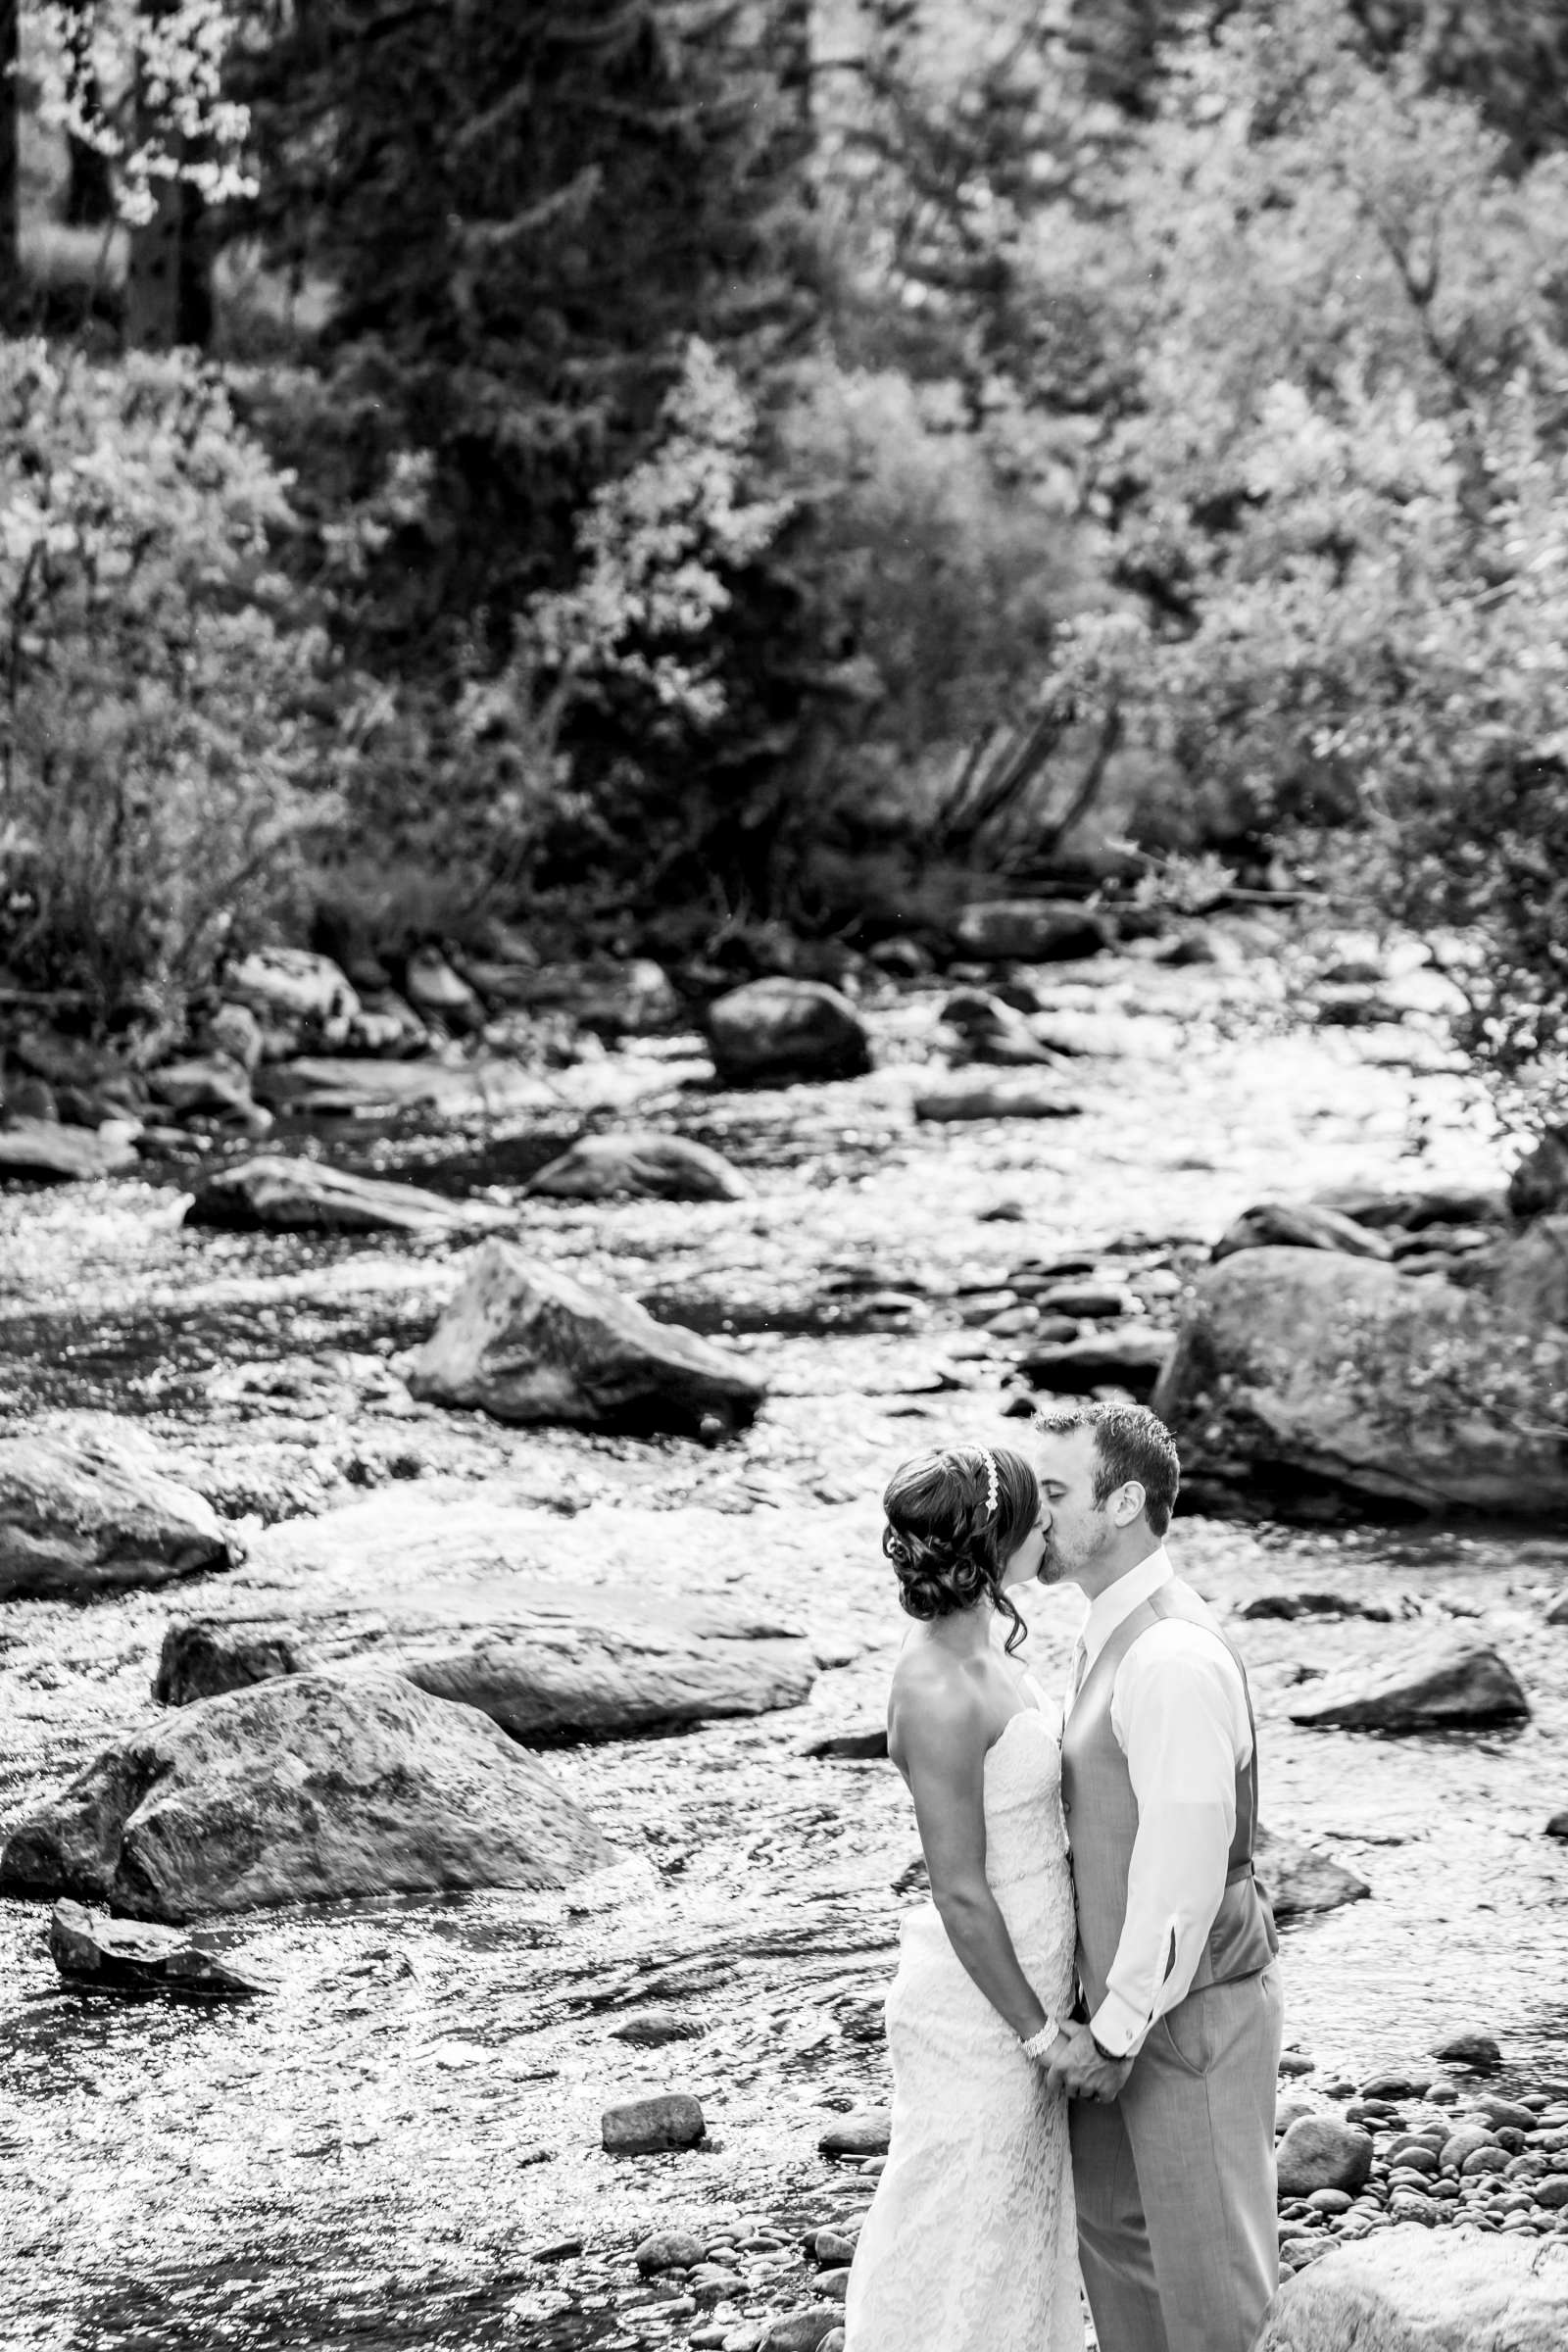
[401, 2145]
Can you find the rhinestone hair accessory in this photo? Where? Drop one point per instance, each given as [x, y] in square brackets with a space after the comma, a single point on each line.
[993, 1489]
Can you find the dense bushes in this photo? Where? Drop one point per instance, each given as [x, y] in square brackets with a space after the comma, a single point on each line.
[1338, 489]
[156, 752]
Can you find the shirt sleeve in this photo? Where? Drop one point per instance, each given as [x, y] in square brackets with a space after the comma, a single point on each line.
[1179, 1714]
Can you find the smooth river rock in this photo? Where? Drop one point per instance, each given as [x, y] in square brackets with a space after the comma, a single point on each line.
[1298, 1365]
[558, 1629]
[43, 1152]
[1299, 1878]
[652, 2124]
[867, 2132]
[1131, 1356]
[292, 989]
[807, 2331]
[773, 1030]
[1434, 1683]
[1021, 1097]
[136, 1956]
[1028, 931]
[526, 1342]
[604, 1681]
[201, 1657]
[641, 1166]
[1319, 2151]
[1415, 2289]
[277, 1195]
[85, 1514]
[1299, 1225]
[303, 1789]
[988, 1030]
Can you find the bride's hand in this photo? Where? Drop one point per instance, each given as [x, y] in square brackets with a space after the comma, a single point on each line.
[1082, 2073]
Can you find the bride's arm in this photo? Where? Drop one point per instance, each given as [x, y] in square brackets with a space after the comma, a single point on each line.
[943, 1745]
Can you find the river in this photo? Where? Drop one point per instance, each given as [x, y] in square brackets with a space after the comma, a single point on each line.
[401, 2146]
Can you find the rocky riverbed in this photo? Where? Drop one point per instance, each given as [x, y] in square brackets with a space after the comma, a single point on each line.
[401, 2142]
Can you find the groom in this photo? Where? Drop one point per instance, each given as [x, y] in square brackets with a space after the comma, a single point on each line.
[1173, 2071]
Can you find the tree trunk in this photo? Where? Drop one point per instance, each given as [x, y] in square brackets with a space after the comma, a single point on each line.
[169, 279]
[9, 252]
[89, 190]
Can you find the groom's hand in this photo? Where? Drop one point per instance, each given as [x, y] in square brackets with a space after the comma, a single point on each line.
[1082, 2073]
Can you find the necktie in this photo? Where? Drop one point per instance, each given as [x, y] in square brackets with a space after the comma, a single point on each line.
[1075, 1678]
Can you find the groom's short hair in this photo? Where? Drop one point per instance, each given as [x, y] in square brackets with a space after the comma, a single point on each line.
[1130, 1442]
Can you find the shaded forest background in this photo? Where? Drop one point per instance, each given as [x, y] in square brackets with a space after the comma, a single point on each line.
[682, 474]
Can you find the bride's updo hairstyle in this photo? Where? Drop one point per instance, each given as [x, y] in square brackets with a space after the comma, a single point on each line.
[953, 1526]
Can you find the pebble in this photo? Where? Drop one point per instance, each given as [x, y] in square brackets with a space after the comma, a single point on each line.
[1507, 2114]
[864, 2134]
[1407, 2084]
[710, 2284]
[831, 2249]
[650, 2028]
[799, 2331]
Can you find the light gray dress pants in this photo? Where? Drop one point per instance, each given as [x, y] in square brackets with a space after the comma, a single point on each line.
[1178, 2231]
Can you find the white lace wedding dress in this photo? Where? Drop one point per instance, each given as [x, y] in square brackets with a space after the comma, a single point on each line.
[970, 2244]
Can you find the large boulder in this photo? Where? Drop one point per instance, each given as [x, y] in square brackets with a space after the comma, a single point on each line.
[1299, 1225]
[601, 1681]
[1304, 1368]
[274, 1194]
[84, 1514]
[42, 1151]
[1300, 1879]
[1029, 931]
[303, 1789]
[568, 1664]
[644, 1165]
[1437, 1682]
[773, 1030]
[1416, 2289]
[526, 1342]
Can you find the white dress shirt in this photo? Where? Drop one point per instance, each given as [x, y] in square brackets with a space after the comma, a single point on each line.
[1178, 1712]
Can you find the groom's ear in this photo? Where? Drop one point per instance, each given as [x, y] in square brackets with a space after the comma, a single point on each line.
[1127, 1504]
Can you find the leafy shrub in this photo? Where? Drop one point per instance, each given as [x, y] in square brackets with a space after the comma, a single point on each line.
[1342, 490]
[156, 750]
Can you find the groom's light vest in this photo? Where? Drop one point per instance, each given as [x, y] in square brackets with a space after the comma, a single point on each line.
[1102, 1815]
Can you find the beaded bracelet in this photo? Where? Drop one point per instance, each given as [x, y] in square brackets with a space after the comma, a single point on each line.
[1039, 2043]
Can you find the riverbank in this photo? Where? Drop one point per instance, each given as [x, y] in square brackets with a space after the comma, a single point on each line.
[378, 2150]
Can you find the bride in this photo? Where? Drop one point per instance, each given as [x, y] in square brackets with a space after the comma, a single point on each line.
[970, 2243]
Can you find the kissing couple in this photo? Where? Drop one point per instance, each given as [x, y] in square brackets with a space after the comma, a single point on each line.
[1085, 2021]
